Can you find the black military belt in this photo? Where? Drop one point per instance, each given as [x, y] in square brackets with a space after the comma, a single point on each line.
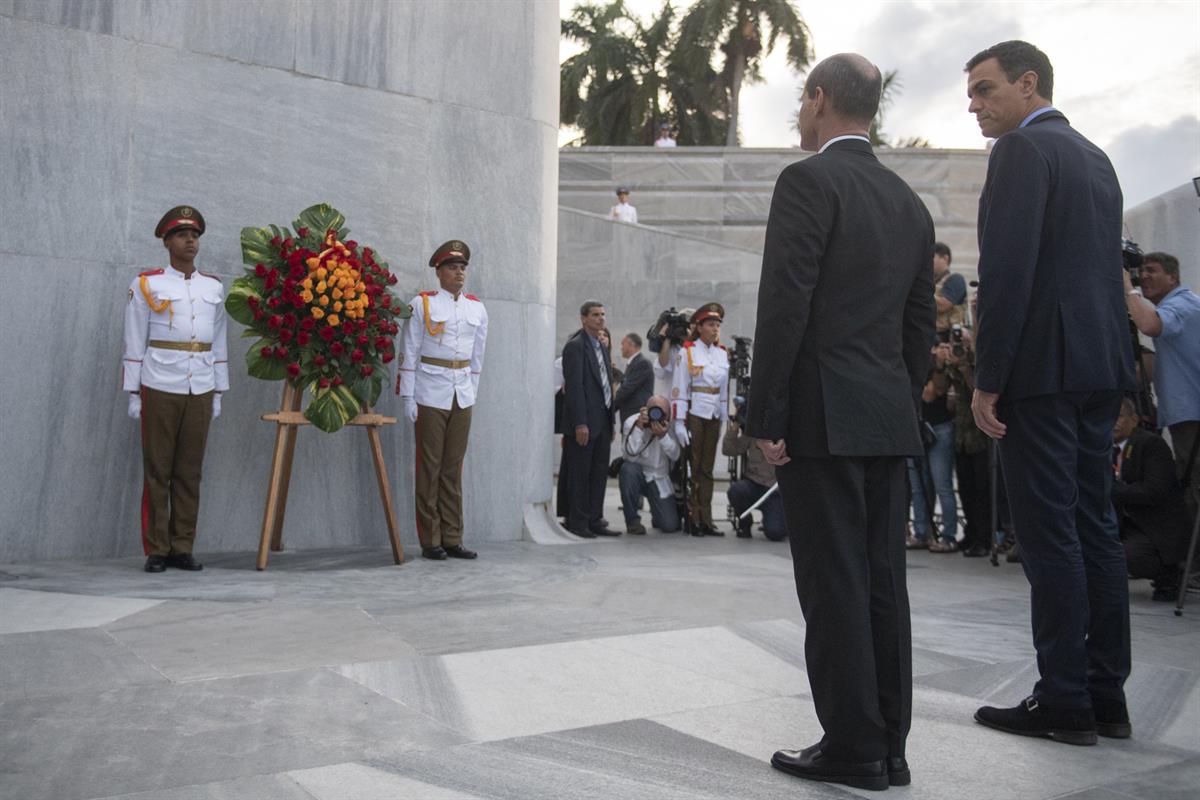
[187, 347]
[444, 362]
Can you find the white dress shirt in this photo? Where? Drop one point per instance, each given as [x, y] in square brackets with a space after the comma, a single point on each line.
[456, 332]
[624, 212]
[193, 315]
[656, 459]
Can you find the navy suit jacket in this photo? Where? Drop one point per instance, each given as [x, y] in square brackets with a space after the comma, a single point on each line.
[636, 387]
[582, 387]
[845, 309]
[1051, 299]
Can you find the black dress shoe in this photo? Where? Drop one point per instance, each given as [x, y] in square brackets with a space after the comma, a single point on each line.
[1029, 718]
[811, 764]
[1112, 719]
[434, 553]
[458, 551]
[184, 561]
[156, 563]
[709, 530]
[976, 551]
[606, 531]
[897, 769]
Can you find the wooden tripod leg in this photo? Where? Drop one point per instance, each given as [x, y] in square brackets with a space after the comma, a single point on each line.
[385, 492]
[273, 485]
[286, 479]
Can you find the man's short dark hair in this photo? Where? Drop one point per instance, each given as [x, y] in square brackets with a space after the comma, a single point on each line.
[852, 90]
[588, 305]
[942, 249]
[1016, 58]
[1168, 262]
[635, 339]
[1128, 407]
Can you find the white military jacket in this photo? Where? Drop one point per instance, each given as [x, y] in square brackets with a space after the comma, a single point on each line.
[175, 334]
[700, 383]
[443, 354]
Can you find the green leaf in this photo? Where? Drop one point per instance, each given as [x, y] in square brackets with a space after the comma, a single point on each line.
[376, 390]
[236, 301]
[331, 408]
[257, 247]
[267, 369]
[250, 333]
[319, 219]
[362, 390]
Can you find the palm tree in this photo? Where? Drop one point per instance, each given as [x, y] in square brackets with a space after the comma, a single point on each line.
[736, 27]
[612, 90]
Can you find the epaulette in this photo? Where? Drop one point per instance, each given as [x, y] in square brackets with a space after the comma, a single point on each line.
[472, 297]
[150, 272]
[689, 343]
[723, 347]
[214, 277]
[429, 294]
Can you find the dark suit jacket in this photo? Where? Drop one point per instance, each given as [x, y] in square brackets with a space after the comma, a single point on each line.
[1051, 300]
[636, 387]
[845, 309]
[1148, 496]
[584, 392]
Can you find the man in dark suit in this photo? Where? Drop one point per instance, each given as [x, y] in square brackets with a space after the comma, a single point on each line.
[845, 321]
[1052, 357]
[588, 416]
[638, 383]
[1150, 512]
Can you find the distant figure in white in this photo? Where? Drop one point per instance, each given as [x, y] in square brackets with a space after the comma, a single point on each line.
[622, 211]
[664, 137]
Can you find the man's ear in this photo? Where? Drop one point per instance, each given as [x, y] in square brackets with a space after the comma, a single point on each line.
[1028, 83]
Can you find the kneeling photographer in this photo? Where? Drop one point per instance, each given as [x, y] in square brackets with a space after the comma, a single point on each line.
[758, 479]
[650, 448]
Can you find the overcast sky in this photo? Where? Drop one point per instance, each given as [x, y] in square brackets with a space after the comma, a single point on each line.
[1127, 74]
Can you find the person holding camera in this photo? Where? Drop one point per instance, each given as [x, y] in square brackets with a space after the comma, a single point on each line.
[650, 449]
[758, 480]
[700, 395]
[949, 290]
[665, 338]
[936, 468]
[1170, 314]
[970, 446]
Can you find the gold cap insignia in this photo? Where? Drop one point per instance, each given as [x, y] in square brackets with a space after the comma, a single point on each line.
[185, 212]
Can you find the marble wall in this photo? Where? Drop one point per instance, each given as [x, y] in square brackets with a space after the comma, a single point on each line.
[419, 121]
[725, 194]
[1170, 223]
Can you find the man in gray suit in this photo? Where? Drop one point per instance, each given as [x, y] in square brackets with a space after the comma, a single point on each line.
[845, 322]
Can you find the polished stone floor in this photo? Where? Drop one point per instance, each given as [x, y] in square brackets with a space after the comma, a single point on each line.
[649, 667]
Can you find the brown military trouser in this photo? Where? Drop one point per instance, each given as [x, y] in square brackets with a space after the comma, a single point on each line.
[174, 432]
[705, 434]
[441, 445]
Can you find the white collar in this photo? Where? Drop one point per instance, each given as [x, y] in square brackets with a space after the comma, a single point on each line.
[843, 138]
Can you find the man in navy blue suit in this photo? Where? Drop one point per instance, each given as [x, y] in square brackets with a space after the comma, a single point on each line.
[1052, 358]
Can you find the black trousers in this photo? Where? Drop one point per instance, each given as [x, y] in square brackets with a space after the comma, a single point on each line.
[1057, 457]
[975, 491]
[846, 519]
[587, 476]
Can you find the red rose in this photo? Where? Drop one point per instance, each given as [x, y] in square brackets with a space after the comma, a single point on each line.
[357, 355]
[337, 348]
[323, 383]
[275, 321]
[387, 357]
[271, 280]
[308, 323]
[363, 340]
[252, 301]
[266, 352]
[319, 360]
[391, 279]
[366, 371]
[368, 252]
[285, 335]
[275, 242]
[386, 302]
[288, 243]
[302, 232]
[302, 338]
[289, 320]
[281, 353]
[337, 380]
[297, 272]
[351, 244]
[258, 315]
[260, 270]
[326, 333]
[382, 343]
[373, 317]
[293, 369]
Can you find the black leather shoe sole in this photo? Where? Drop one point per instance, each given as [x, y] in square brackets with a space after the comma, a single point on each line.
[873, 783]
[898, 772]
[1082, 738]
[1114, 730]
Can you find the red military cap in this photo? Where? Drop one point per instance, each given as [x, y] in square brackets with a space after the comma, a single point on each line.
[179, 217]
[708, 311]
[453, 250]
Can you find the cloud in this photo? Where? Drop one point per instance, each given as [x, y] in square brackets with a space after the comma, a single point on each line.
[1150, 159]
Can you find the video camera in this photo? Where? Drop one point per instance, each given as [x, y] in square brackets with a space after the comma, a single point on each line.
[1131, 258]
[739, 374]
[676, 325]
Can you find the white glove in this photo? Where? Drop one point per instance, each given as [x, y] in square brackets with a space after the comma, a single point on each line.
[681, 434]
[135, 406]
[216, 405]
[410, 408]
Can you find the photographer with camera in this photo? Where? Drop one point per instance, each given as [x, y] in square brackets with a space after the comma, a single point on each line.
[936, 468]
[665, 337]
[970, 445]
[757, 480]
[700, 396]
[1170, 314]
[650, 448]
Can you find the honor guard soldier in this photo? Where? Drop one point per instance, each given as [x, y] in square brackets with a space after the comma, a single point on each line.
[444, 340]
[700, 402]
[175, 368]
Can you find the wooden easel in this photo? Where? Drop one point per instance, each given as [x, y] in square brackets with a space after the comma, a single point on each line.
[288, 419]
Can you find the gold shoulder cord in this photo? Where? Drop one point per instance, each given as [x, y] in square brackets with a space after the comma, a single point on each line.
[159, 307]
[694, 371]
[433, 330]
